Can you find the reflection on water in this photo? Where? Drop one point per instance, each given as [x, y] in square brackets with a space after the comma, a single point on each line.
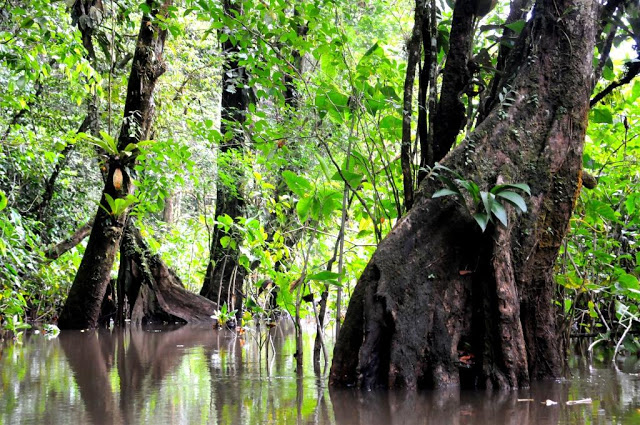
[194, 375]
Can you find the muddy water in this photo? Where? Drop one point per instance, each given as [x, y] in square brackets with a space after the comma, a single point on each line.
[200, 376]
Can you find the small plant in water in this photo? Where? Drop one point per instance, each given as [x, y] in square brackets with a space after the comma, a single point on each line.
[225, 317]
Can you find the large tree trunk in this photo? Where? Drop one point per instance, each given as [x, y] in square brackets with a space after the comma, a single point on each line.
[225, 276]
[149, 291]
[438, 287]
[83, 304]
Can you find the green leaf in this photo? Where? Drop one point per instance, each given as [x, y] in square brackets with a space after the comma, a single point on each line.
[516, 26]
[482, 219]
[471, 187]
[599, 208]
[352, 178]
[3, 200]
[338, 100]
[501, 187]
[628, 281]
[391, 122]
[499, 212]
[298, 185]
[445, 192]
[602, 116]
[224, 241]
[111, 202]
[324, 275]
[371, 50]
[302, 208]
[487, 201]
[323, 166]
[514, 199]
[607, 73]
[225, 220]
[450, 184]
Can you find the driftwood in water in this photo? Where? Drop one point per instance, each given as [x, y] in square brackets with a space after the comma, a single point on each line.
[149, 291]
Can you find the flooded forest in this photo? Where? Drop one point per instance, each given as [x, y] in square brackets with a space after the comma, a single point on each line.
[319, 212]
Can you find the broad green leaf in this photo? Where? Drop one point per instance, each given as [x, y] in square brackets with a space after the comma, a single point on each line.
[225, 220]
[514, 199]
[516, 26]
[302, 208]
[482, 219]
[602, 115]
[501, 214]
[111, 203]
[501, 187]
[487, 201]
[316, 207]
[445, 192]
[599, 208]
[628, 281]
[354, 179]
[338, 100]
[391, 122]
[298, 184]
[607, 73]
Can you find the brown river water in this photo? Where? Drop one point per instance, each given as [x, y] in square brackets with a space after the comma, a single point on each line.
[193, 375]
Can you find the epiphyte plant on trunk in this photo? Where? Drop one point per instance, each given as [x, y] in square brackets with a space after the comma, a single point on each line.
[483, 206]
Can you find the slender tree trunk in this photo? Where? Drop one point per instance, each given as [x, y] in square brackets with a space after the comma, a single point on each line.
[413, 52]
[224, 278]
[82, 308]
[437, 286]
[450, 118]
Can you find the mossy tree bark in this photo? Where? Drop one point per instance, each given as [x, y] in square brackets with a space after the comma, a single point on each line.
[83, 304]
[225, 276]
[437, 285]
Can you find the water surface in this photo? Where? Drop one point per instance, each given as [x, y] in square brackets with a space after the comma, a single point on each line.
[191, 375]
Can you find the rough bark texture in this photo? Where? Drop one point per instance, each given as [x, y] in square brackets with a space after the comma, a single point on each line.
[84, 301]
[413, 58]
[450, 118]
[438, 288]
[517, 11]
[152, 291]
[224, 277]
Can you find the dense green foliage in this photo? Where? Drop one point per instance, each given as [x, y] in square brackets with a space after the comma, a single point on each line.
[319, 169]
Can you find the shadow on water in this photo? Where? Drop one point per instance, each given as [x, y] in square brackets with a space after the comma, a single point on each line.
[190, 375]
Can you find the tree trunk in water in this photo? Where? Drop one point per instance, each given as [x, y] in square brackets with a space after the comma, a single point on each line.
[82, 307]
[437, 287]
[153, 292]
[225, 276]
